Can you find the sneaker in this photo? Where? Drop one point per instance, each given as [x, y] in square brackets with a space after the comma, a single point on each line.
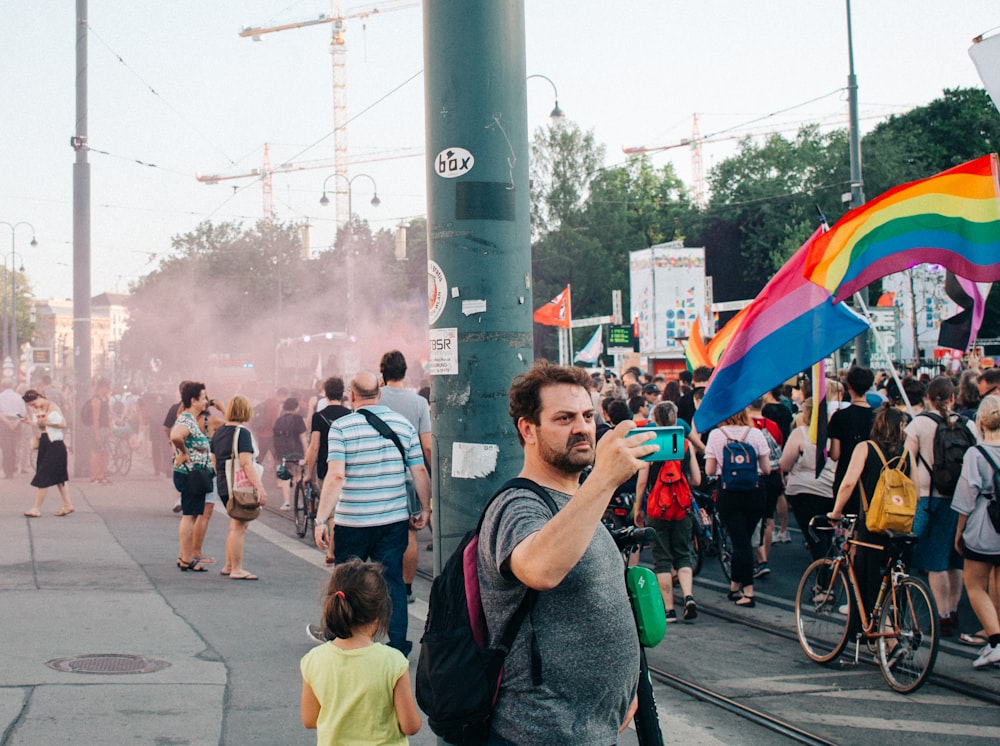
[671, 616]
[783, 538]
[690, 608]
[843, 609]
[776, 537]
[409, 597]
[316, 633]
[760, 570]
[286, 506]
[988, 657]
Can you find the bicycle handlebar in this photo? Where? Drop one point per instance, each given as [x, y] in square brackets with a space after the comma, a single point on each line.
[632, 537]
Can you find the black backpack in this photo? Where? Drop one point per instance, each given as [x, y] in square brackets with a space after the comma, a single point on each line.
[950, 444]
[458, 674]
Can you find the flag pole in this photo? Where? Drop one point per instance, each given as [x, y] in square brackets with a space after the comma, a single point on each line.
[884, 350]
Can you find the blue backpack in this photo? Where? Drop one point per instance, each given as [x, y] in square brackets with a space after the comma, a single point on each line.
[739, 464]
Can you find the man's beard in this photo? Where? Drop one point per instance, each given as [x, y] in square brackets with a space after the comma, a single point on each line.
[568, 460]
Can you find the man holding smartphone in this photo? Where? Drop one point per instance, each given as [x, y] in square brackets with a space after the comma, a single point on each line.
[12, 411]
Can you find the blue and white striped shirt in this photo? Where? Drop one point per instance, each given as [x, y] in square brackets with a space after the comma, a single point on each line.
[374, 492]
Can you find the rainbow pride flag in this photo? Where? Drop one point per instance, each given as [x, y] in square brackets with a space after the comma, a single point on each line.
[717, 344]
[790, 325]
[951, 219]
[695, 354]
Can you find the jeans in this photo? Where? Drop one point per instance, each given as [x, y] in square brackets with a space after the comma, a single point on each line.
[383, 544]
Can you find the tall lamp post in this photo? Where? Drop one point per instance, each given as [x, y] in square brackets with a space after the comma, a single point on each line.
[10, 328]
[557, 114]
[375, 202]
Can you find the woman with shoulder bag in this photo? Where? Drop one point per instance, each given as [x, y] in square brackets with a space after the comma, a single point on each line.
[238, 413]
[863, 472]
[192, 468]
[739, 510]
[976, 536]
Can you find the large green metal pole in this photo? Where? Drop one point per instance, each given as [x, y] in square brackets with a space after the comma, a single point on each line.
[479, 250]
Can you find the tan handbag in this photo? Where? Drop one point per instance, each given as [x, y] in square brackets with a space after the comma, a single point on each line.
[244, 502]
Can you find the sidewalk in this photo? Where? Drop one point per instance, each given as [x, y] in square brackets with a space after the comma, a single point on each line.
[103, 582]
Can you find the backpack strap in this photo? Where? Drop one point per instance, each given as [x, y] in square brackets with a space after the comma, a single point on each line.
[527, 604]
[938, 420]
[993, 465]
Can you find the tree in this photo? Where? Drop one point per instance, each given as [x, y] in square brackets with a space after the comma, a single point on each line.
[564, 160]
[767, 198]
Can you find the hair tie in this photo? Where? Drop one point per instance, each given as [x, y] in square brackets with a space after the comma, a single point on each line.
[339, 593]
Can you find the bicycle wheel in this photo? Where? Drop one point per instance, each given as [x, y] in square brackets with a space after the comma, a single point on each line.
[725, 547]
[126, 458]
[311, 501]
[907, 657]
[301, 510]
[821, 627]
[697, 550]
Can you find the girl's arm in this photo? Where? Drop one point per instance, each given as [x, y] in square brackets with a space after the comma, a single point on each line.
[310, 706]
[694, 473]
[854, 469]
[793, 449]
[404, 704]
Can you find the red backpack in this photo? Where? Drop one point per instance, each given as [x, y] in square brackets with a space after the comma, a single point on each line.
[670, 496]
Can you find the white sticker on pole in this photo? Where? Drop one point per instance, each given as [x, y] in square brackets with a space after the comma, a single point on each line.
[444, 352]
[452, 162]
[473, 460]
[437, 290]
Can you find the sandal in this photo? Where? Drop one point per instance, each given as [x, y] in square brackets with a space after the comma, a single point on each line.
[65, 511]
[735, 595]
[193, 566]
[32, 514]
[975, 640]
[204, 560]
[747, 602]
[248, 576]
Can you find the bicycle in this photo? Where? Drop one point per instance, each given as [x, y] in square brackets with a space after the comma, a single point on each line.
[120, 451]
[305, 500]
[902, 628]
[631, 539]
[708, 536]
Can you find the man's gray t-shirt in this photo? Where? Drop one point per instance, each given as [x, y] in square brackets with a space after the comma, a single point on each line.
[585, 631]
[412, 406]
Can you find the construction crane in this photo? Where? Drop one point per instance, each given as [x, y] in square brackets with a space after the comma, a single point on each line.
[695, 143]
[338, 49]
[266, 173]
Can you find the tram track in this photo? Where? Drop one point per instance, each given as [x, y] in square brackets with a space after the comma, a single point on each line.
[943, 681]
[757, 717]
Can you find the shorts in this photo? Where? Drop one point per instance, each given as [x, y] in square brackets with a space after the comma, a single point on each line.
[190, 504]
[935, 524]
[986, 559]
[773, 487]
[672, 545]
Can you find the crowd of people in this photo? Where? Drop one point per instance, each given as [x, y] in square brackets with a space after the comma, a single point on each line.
[365, 449]
[873, 422]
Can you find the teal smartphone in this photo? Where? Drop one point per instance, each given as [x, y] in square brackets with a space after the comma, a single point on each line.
[669, 439]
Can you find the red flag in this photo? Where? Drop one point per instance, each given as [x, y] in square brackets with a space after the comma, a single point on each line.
[556, 312]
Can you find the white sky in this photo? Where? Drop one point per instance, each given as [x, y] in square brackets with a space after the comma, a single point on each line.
[634, 71]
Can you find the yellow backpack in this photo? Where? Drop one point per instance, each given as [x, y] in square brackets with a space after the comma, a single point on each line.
[894, 501]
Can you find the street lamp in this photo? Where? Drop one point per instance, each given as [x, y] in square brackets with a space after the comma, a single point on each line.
[324, 200]
[10, 340]
[557, 113]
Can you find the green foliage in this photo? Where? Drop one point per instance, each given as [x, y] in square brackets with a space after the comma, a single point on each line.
[564, 159]
[229, 290]
[24, 297]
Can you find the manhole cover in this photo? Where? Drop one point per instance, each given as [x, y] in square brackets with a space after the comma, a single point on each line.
[107, 663]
